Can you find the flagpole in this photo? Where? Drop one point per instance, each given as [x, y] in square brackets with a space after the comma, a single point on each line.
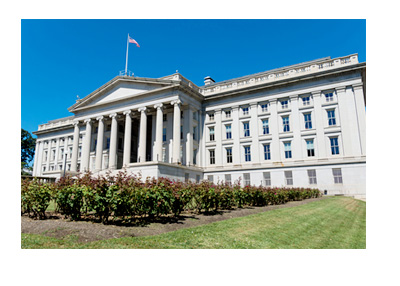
[126, 62]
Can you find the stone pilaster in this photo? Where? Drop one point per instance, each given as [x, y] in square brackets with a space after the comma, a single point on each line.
[127, 138]
[86, 146]
[176, 131]
[159, 132]
[113, 142]
[99, 146]
[75, 146]
[142, 134]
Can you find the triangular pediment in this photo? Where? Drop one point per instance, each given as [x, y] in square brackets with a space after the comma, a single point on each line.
[120, 88]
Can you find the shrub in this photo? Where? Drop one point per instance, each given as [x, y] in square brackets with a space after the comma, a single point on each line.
[35, 197]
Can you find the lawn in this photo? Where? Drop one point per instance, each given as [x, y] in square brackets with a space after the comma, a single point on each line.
[334, 223]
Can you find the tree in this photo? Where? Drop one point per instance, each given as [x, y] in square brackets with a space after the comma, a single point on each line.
[27, 148]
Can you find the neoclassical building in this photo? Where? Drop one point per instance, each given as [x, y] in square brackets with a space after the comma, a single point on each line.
[301, 125]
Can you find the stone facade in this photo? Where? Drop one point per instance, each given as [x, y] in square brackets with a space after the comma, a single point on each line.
[302, 125]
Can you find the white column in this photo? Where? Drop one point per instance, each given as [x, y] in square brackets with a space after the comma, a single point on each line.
[35, 164]
[142, 134]
[40, 159]
[254, 133]
[100, 144]
[274, 128]
[159, 132]
[346, 129]
[56, 155]
[189, 138]
[65, 157]
[295, 122]
[218, 138]
[86, 146]
[176, 131]
[112, 164]
[74, 159]
[48, 155]
[361, 114]
[319, 124]
[127, 138]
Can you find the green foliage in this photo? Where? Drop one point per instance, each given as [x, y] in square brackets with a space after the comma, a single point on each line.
[127, 197]
[27, 147]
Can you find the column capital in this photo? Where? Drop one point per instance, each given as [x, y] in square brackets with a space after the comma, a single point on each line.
[176, 102]
[100, 118]
[127, 112]
[358, 86]
[75, 122]
[340, 89]
[87, 120]
[142, 109]
[112, 115]
[158, 106]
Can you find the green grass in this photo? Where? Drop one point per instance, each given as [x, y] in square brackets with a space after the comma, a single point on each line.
[334, 223]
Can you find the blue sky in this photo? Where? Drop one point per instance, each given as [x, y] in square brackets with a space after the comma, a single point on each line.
[61, 59]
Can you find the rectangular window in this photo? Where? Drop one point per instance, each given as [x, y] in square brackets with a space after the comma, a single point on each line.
[164, 134]
[164, 117]
[212, 133]
[194, 132]
[288, 150]
[164, 154]
[264, 107]
[285, 121]
[53, 155]
[69, 167]
[108, 143]
[228, 155]
[186, 177]
[228, 131]
[181, 132]
[265, 126]
[247, 153]
[267, 152]
[80, 152]
[329, 97]
[44, 168]
[228, 178]
[267, 179]
[211, 116]
[246, 129]
[45, 156]
[197, 178]
[212, 157]
[310, 148]
[227, 114]
[60, 167]
[331, 117]
[334, 145]
[61, 153]
[289, 178]
[307, 120]
[194, 156]
[245, 110]
[285, 104]
[246, 179]
[210, 178]
[306, 100]
[337, 176]
[70, 152]
[312, 177]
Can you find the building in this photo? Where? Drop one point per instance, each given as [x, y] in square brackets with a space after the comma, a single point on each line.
[301, 125]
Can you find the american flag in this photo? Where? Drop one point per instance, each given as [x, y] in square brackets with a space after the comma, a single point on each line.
[133, 41]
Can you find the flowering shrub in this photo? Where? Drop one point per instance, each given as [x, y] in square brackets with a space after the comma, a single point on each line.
[128, 197]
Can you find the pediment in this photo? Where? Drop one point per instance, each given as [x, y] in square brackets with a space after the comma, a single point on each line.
[120, 88]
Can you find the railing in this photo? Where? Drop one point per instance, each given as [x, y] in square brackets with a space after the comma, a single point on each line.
[278, 75]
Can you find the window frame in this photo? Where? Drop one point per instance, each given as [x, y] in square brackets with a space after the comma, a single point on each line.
[288, 179]
[312, 176]
[211, 131]
[267, 179]
[337, 176]
[286, 125]
[331, 115]
[212, 156]
[229, 155]
[267, 151]
[265, 127]
[288, 149]
[334, 147]
[310, 151]
[307, 120]
[247, 153]
[246, 132]
[228, 132]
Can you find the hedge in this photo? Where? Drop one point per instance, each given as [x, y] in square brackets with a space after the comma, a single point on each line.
[127, 197]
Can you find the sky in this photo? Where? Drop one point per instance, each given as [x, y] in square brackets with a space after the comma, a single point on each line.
[63, 59]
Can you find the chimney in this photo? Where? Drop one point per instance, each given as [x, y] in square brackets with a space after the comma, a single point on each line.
[208, 80]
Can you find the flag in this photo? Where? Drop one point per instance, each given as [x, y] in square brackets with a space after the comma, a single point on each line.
[130, 40]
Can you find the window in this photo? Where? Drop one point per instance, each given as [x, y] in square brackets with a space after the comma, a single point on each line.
[285, 121]
[197, 178]
[210, 178]
[288, 150]
[212, 157]
[70, 152]
[164, 134]
[285, 104]
[69, 167]
[186, 177]
[94, 145]
[331, 117]
[194, 132]
[212, 133]
[164, 117]
[181, 132]
[289, 178]
[44, 168]
[45, 155]
[194, 156]
[246, 179]
[246, 129]
[306, 100]
[164, 154]
[307, 120]
[337, 176]
[329, 97]
[53, 155]
[267, 152]
[310, 148]
[228, 178]
[267, 179]
[312, 177]
[51, 168]
[108, 143]
[60, 167]
[211, 116]
[334, 145]
[228, 155]
[247, 153]
[264, 107]
[227, 114]
[228, 131]
[80, 152]
[245, 110]
[265, 126]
